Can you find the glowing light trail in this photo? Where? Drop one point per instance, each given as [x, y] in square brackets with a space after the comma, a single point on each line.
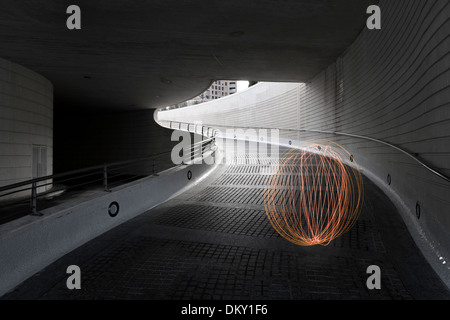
[314, 197]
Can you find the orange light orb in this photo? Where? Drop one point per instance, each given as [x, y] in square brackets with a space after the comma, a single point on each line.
[313, 198]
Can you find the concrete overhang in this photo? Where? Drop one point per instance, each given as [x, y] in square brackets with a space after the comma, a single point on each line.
[148, 54]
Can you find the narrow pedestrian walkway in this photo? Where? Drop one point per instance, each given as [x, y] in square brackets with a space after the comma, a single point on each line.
[215, 242]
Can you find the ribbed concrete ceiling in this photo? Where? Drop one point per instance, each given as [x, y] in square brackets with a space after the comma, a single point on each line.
[133, 54]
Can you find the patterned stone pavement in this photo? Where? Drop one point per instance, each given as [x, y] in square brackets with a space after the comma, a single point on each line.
[214, 242]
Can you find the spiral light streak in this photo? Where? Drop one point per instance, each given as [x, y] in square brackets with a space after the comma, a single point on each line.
[313, 198]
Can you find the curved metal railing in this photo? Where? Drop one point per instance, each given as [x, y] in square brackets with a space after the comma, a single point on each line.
[408, 154]
[20, 199]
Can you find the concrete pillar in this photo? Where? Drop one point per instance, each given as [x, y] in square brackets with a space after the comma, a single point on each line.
[26, 124]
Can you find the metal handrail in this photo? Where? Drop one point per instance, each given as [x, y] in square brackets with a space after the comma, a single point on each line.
[103, 171]
[416, 159]
[74, 172]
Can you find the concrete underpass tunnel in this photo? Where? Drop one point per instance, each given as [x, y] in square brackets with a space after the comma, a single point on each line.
[86, 141]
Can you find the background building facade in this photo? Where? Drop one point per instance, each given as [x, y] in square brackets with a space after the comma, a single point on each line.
[219, 89]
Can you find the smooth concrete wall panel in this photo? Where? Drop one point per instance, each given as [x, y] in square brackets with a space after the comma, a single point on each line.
[26, 119]
[391, 85]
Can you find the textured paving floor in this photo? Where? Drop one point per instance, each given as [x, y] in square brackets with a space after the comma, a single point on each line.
[215, 242]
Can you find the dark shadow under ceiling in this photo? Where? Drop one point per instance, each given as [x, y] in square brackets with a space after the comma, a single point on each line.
[147, 54]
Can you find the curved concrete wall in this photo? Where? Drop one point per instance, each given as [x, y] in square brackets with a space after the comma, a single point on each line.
[29, 244]
[26, 122]
[391, 84]
[271, 105]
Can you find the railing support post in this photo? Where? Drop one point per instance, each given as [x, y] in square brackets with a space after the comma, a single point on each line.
[34, 211]
[105, 179]
[154, 168]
